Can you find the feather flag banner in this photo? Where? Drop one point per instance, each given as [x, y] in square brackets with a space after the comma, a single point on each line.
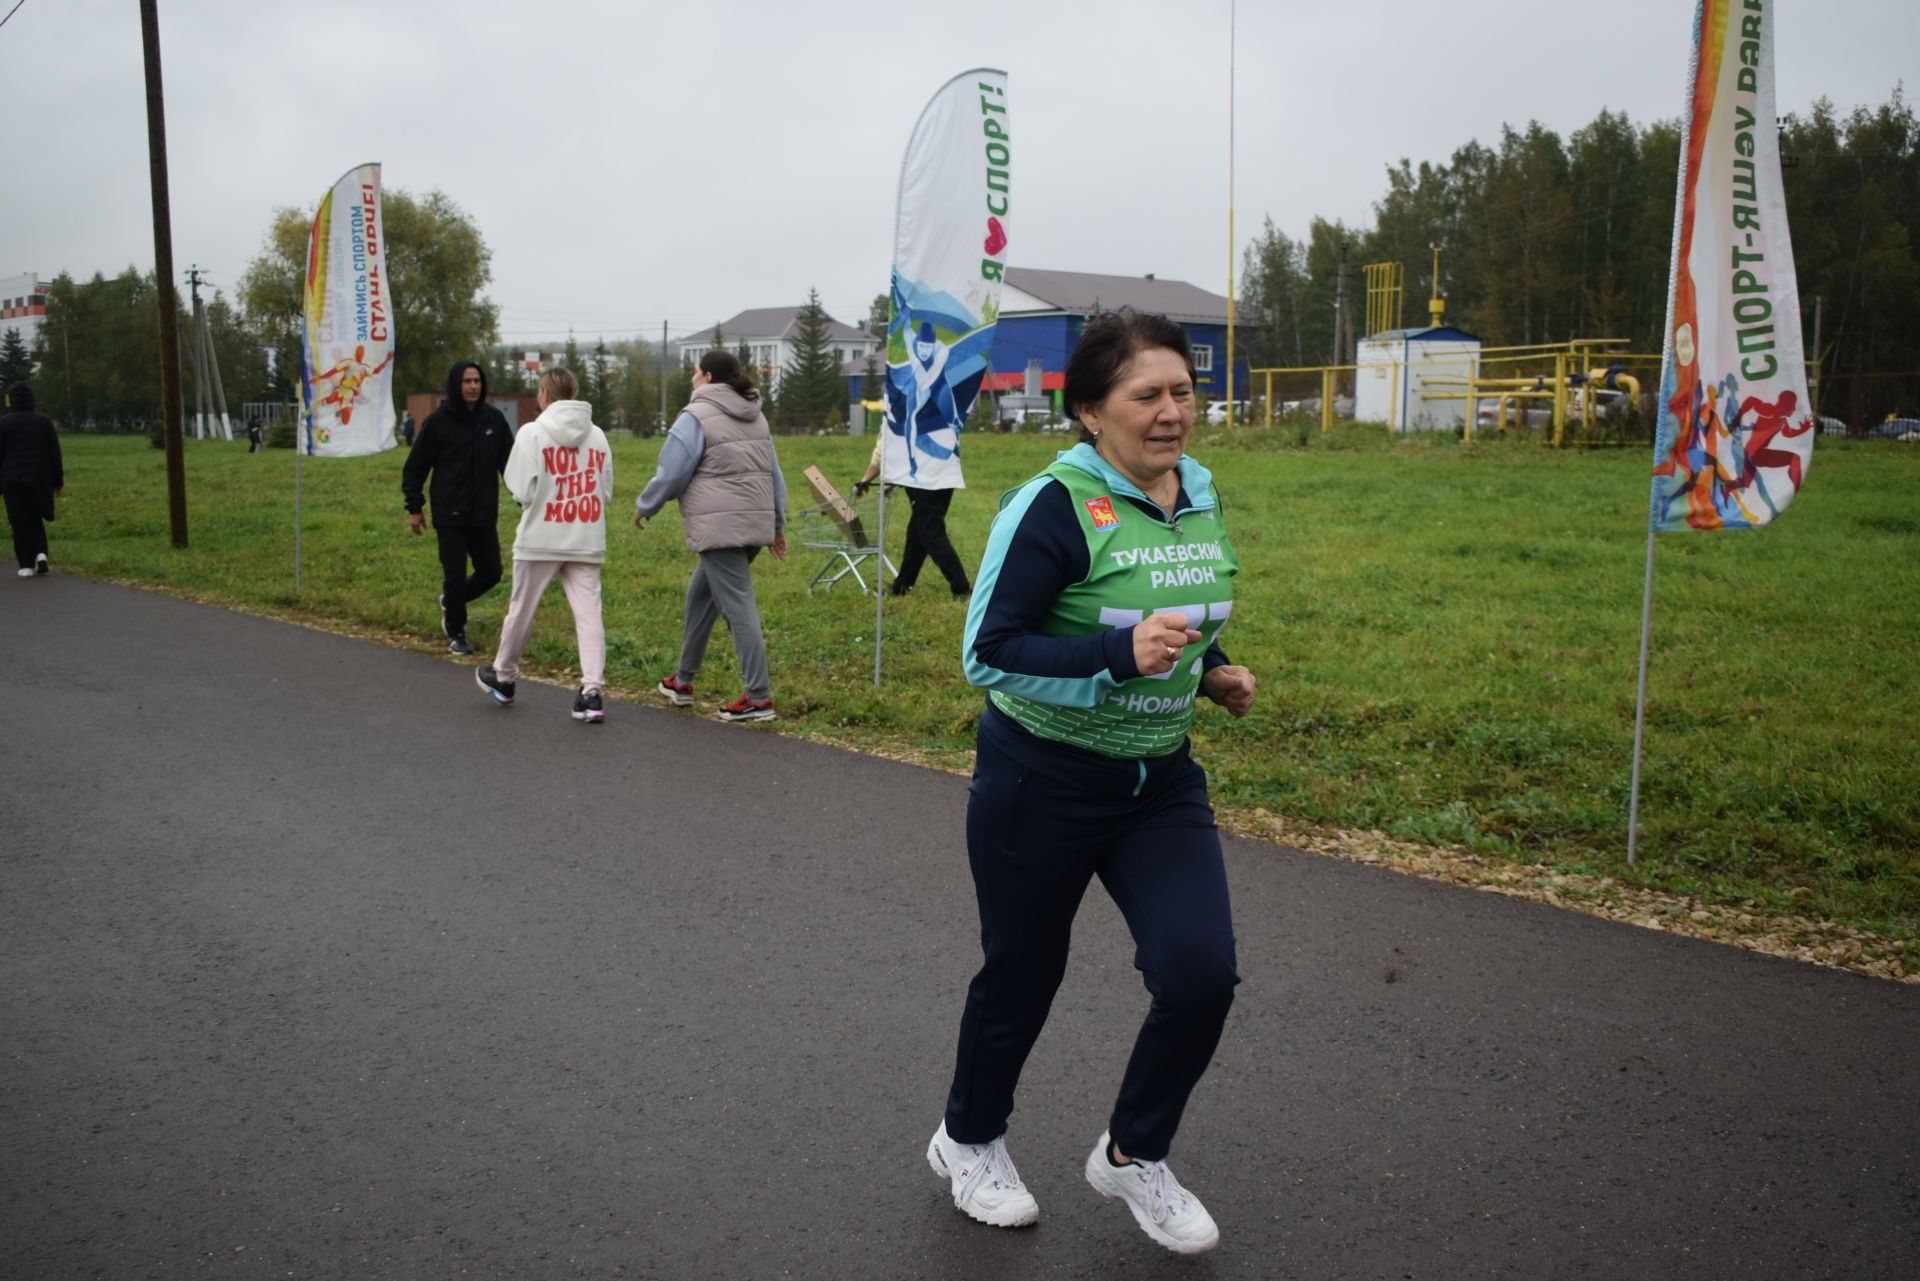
[949, 260]
[1735, 433]
[348, 342]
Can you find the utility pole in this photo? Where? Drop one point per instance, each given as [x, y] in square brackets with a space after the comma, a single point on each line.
[163, 277]
[1818, 301]
[198, 349]
[1232, 18]
[1340, 309]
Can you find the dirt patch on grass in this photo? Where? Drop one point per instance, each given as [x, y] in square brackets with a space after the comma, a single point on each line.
[1794, 938]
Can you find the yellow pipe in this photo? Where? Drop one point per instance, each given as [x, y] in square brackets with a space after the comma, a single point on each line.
[1393, 400]
[1326, 400]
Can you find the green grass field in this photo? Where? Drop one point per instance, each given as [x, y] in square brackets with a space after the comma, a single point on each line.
[1445, 636]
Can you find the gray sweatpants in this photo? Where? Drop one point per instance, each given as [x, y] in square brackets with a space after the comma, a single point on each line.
[722, 585]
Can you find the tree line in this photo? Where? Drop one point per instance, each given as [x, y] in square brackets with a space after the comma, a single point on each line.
[96, 361]
[1546, 239]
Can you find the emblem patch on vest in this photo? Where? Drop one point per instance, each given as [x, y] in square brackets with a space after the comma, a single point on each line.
[1101, 509]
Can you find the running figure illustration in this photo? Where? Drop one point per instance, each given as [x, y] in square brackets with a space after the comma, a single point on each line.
[347, 378]
[927, 395]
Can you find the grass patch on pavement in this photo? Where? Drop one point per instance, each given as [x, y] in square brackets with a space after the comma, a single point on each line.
[1446, 635]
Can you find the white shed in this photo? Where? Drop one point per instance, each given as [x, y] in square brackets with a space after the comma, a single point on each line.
[1400, 370]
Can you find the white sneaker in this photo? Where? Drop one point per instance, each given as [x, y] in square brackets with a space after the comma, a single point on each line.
[985, 1184]
[27, 573]
[40, 563]
[1164, 1210]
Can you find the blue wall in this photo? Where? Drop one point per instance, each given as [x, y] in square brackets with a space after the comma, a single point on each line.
[1051, 338]
[1017, 339]
[1213, 384]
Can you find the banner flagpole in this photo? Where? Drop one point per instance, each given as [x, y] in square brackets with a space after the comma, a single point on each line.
[1734, 434]
[880, 579]
[299, 451]
[1640, 703]
[347, 337]
[950, 236]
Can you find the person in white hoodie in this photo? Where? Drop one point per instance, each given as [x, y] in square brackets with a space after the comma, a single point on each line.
[561, 472]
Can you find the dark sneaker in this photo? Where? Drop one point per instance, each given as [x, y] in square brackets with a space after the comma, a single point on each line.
[489, 680]
[587, 707]
[746, 708]
[40, 565]
[458, 644]
[675, 690]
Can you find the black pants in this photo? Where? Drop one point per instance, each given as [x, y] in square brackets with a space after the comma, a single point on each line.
[927, 536]
[29, 530]
[458, 544]
[1035, 842]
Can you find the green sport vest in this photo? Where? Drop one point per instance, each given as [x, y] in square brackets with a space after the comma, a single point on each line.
[1139, 564]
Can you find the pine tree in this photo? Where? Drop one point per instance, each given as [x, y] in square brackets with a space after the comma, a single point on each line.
[811, 387]
[15, 361]
[599, 380]
[679, 389]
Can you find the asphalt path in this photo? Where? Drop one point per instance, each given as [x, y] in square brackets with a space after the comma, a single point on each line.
[314, 963]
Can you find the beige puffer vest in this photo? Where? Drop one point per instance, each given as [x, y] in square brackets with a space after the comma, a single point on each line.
[729, 500]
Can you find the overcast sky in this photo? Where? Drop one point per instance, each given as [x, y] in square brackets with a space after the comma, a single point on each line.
[630, 162]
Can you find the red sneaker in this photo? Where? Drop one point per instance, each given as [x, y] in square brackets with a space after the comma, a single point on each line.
[675, 690]
[745, 708]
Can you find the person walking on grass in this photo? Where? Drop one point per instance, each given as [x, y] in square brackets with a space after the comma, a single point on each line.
[719, 461]
[561, 472]
[31, 477]
[926, 532]
[463, 445]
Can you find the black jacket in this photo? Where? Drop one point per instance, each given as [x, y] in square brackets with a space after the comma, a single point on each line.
[29, 450]
[466, 450]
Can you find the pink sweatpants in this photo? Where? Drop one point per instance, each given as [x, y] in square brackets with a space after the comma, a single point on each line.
[581, 582]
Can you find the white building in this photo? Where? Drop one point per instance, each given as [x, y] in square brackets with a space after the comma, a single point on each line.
[770, 334]
[23, 305]
[1396, 366]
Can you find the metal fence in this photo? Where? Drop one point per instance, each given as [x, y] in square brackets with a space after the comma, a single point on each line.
[1869, 405]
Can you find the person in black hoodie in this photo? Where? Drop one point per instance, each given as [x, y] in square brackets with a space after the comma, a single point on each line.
[30, 477]
[464, 444]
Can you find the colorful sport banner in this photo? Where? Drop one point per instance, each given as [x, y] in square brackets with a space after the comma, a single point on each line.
[347, 352]
[1736, 430]
[949, 258]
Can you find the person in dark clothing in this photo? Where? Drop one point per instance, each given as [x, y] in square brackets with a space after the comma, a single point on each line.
[31, 477]
[926, 534]
[406, 430]
[464, 445]
[256, 434]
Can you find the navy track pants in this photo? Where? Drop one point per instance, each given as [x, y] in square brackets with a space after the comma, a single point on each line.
[1035, 840]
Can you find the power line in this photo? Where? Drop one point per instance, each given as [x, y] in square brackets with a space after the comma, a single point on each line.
[11, 12]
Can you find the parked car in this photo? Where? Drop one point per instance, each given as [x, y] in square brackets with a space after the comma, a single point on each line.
[1217, 411]
[1342, 406]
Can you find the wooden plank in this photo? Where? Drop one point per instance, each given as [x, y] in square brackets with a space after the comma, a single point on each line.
[838, 507]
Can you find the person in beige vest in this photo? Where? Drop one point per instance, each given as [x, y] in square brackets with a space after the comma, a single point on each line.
[719, 461]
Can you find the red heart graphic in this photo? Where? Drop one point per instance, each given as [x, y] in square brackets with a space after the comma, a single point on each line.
[996, 237]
